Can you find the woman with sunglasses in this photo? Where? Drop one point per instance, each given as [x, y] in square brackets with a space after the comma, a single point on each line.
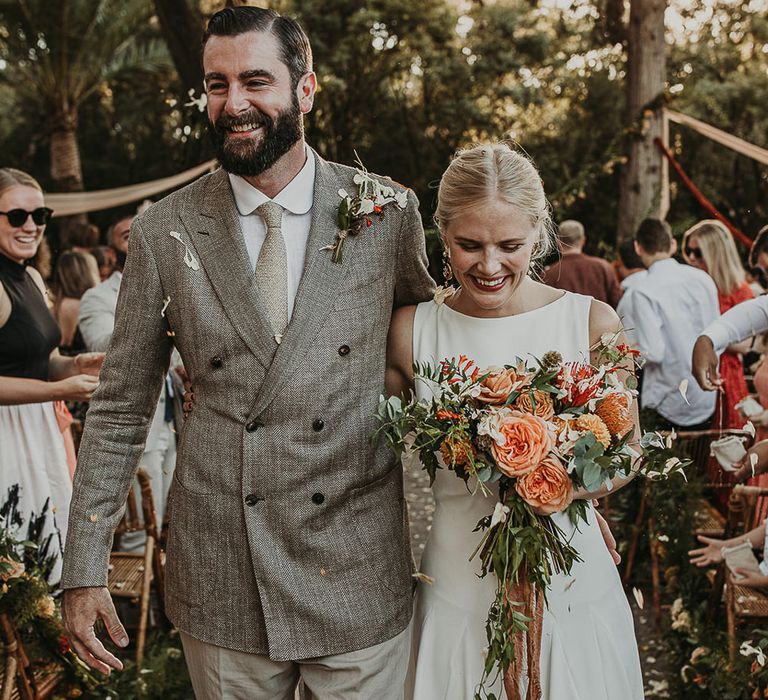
[32, 372]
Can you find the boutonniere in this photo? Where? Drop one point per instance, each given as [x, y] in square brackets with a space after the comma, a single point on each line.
[356, 213]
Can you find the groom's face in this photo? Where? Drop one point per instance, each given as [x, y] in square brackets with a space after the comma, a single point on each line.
[254, 111]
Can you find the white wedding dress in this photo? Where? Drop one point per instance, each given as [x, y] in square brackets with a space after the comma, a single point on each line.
[588, 647]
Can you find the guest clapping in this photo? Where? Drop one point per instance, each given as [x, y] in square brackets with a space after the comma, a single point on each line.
[32, 372]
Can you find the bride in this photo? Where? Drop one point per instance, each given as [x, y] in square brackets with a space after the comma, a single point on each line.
[495, 224]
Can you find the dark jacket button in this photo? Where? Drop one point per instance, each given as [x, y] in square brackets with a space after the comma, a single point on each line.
[253, 426]
[216, 362]
[318, 425]
[344, 350]
[251, 499]
[318, 498]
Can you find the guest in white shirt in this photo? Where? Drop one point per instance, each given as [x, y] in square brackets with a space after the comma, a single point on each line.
[631, 272]
[97, 321]
[670, 308]
[743, 321]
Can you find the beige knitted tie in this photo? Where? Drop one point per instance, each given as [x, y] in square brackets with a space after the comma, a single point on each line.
[272, 270]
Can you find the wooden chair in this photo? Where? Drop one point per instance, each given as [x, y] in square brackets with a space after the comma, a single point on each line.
[746, 505]
[131, 575]
[19, 678]
[693, 445]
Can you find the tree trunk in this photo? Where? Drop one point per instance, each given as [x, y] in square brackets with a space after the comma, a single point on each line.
[182, 27]
[643, 173]
[66, 169]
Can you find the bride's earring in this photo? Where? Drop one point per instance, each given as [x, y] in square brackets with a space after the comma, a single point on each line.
[447, 269]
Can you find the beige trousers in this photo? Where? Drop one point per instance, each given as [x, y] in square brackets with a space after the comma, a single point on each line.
[377, 672]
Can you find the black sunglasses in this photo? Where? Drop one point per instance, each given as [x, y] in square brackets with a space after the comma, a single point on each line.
[18, 217]
[693, 252]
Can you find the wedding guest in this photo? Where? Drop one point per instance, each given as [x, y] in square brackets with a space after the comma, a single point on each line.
[711, 554]
[97, 321]
[758, 253]
[670, 307]
[75, 273]
[106, 259]
[709, 246]
[629, 267]
[577, 272]
[32, 372]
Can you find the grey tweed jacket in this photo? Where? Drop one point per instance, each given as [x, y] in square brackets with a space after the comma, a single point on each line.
[288, 532]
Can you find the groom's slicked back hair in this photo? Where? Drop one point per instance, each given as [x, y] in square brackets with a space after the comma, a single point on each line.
[295, 50]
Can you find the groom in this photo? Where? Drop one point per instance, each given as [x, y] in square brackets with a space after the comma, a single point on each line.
[288, 548]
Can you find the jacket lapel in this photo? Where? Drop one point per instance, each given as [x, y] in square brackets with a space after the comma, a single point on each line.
[319, 284]
[214, 230]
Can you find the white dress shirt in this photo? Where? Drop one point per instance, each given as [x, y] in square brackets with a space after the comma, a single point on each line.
[742, 321]
[624, 307]
[671, 306]
[296, 198]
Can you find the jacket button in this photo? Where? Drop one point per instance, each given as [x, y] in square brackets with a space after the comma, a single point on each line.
[318, 425]
[216, 362]
[318, 498]
[344, 350]
[251, 499]
[253, 426]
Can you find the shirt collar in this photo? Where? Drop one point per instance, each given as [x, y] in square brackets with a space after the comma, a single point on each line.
[296, 197]
[661, 265]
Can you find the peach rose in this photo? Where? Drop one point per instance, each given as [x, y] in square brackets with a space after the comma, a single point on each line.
[537, 402]
[548, 488]
[13, 568]
[522, 442]
[499, 384]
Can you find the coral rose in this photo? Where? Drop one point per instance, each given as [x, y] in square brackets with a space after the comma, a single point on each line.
[522, 442]
[537, 402]
[589, 422]
[548, 488]
[498, 385]
[615, 413]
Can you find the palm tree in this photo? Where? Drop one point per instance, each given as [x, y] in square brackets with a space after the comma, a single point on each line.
[58, 54]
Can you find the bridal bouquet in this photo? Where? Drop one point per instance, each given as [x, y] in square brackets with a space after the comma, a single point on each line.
[532, 433]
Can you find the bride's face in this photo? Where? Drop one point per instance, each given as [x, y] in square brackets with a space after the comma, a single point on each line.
[490, 249]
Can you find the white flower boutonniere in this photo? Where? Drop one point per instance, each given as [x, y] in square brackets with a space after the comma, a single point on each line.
[356, 213]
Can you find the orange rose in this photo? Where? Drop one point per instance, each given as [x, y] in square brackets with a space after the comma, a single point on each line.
[526, 441]
[548, 488]
[498, 385]
[537, 402]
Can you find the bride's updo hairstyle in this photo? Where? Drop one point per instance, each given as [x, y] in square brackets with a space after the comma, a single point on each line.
[483, 173]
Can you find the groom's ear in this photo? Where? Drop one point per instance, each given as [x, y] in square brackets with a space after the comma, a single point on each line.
[305, 92]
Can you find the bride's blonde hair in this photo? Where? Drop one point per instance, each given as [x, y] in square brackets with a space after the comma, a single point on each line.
[489, 171]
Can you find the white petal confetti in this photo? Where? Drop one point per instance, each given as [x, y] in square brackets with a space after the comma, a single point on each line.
[753, 460]
[638, 597]
[189, 260]
[423, 578]
[683, 389]
[166, 301]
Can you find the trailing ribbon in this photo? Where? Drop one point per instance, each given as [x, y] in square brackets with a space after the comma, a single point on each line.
[529, 642]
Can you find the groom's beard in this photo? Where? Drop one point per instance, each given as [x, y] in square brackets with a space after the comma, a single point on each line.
[241, 156]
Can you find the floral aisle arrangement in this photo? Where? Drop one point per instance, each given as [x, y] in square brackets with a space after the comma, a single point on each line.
[33, 608]
[533, 434]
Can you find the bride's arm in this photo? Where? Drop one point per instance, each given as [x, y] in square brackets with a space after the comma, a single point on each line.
[603, 319]
[399, 371]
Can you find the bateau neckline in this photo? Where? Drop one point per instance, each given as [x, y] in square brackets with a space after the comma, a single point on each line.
[504, 318]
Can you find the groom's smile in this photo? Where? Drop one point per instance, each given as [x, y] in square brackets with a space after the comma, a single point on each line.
[255, 107]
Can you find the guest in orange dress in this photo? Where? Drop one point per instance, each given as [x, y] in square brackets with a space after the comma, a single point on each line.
[709, 246]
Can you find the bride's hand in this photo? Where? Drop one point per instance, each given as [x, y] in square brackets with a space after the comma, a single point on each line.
[709, 555]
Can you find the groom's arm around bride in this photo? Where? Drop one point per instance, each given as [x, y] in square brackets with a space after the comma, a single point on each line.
[288, 540]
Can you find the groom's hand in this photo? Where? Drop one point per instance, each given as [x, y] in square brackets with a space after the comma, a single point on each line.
[80, 608]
